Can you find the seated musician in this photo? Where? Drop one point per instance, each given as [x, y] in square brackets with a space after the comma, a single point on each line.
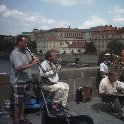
[50, 71]
[108, 86]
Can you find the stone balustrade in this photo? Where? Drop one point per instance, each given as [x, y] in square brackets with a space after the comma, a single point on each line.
[75, 77]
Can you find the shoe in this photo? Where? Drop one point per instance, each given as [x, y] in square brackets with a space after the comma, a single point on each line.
[25, 121]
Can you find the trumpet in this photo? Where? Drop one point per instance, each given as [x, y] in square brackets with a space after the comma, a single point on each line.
[117, 65]
[58, 65]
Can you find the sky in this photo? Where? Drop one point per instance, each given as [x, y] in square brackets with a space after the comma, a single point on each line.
[17, 16]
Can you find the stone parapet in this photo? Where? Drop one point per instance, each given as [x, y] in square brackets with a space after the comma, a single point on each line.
[75, 77]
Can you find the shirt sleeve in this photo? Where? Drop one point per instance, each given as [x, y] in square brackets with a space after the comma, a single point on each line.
[101, 67]
[16, 59]
[45, 74]
[41, 67]
[102, 88]
[120, 84]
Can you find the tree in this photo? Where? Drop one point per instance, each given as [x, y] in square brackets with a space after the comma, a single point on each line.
[115, 47]
[90, 48]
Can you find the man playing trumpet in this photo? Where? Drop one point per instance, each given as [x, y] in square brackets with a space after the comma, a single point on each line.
[50, 71]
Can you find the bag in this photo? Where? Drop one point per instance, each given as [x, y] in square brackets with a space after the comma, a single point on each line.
[83, 94]
[79, 95]
[80, 119]
[86, 93]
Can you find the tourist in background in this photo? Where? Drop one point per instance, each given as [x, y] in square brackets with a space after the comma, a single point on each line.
[103, 69]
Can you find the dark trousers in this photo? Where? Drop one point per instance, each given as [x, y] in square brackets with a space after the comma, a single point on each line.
[117, 100]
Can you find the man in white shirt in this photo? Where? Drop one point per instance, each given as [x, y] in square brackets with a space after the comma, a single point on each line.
[110, 85]
[104, 69]
[49, 70]
[104, 66]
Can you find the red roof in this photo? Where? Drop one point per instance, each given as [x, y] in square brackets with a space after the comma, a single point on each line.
[107, 29]
[76, 45]
[52, 38]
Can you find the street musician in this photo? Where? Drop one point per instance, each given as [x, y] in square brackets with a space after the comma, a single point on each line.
[20, 77]
[109, 90]
[50, 70]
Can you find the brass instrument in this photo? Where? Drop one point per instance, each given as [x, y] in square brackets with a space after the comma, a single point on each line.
[117, 65]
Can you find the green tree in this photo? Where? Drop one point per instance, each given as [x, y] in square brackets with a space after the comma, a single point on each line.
[115, 47]
[90, 48]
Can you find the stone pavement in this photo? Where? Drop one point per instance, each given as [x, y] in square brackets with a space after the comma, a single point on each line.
[92, 109]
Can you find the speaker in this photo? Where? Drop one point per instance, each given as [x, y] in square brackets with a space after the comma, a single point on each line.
[81, 119]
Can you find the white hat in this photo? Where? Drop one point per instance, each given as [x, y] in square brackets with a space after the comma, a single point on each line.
[107, 54]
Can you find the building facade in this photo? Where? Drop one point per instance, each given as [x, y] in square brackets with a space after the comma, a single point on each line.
[72, 40]
[102, 35]
[59, 39]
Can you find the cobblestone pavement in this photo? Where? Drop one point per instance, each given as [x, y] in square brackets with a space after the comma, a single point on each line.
[92, 109]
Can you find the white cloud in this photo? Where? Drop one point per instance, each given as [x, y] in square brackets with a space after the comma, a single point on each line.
[16, 21]
[2, 8]
[70, 2]
[93, 21]
[118, 14]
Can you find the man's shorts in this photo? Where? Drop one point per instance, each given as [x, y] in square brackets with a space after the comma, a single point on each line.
[19, 92]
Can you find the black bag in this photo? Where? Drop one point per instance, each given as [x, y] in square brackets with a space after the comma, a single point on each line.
[79, 95]
[81, 119]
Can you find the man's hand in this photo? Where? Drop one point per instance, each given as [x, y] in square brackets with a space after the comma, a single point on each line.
[50, 73]
[34, 61]
[119, 89]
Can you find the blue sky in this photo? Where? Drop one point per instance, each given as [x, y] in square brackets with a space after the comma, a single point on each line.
[18, 16]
